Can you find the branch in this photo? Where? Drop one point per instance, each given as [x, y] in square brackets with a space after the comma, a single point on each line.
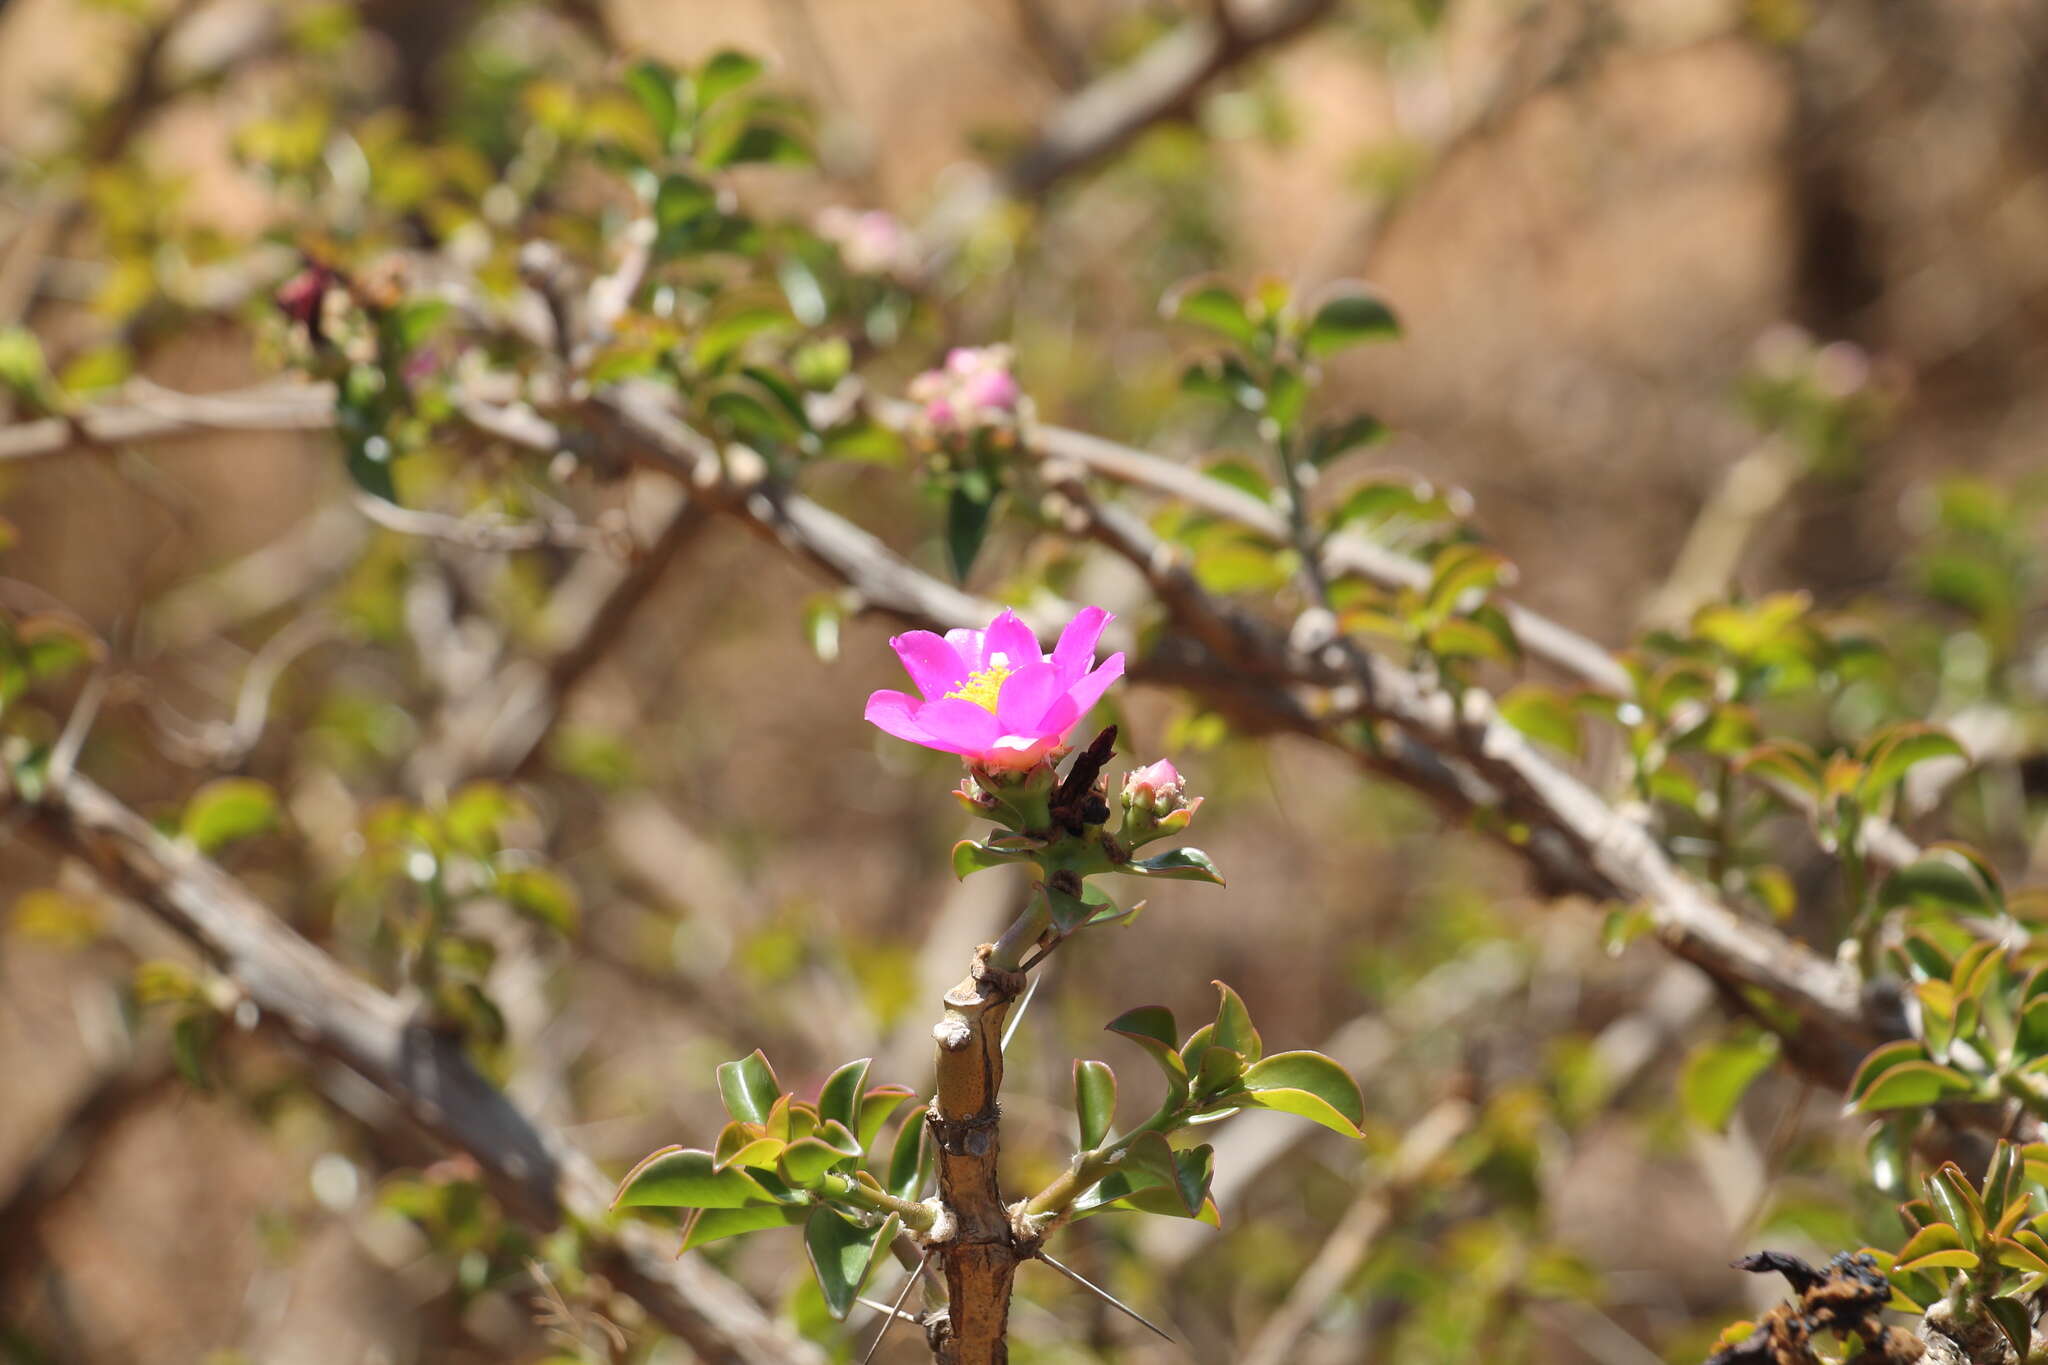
[541, 1178]
[1163, 83]
[1460, 754]
[1357, 1232]
[1594, 848]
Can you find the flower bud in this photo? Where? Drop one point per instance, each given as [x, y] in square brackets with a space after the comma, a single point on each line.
[1155, 803]
[1150, 785]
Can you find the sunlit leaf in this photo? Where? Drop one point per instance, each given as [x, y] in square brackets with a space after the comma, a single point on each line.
[226, 810]
[1094, 1101]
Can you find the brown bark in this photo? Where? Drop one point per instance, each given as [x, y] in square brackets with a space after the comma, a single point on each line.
[979, 1253]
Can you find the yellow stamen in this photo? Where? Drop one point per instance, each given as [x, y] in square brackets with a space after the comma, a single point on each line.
[984, 686]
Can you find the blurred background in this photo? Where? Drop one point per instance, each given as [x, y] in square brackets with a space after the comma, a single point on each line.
[1695, 294]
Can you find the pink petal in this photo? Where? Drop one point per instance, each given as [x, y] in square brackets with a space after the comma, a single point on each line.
[1076, 649]
[1025, 697]
[1089, 690]
[933, 664]
[896, 714]
[1060, 717]
[1017, 751]
[967, 644]
[1012, 639]
[957, 726]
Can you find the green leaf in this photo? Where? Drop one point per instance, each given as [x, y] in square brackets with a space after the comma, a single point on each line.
[1543, 715]
[971, 856]
[1349, 317]
[724, 337]
[653, 84]
[1882, 1060]
[839, 1097]
[2012, 1253]
[969, 514]
[749, 1087]
[1094, 1101]
[1940, 881]
[741, 1144]
[1957, 1199]
[1910, 1085]
[1241, 476]
[807, 1159]
[1178, 864]
[761, 143]
[1936, 1246]
[1786, 761]
[1186, 1174]
[687, 1178]
[1152, 1028]
[1333, 440]
[2015, 1320]
[713, 1225]
[823, 614]
[1463, 638]
[841, 1253]
[1208, 303]
[725, 72]
[1219, 1070]
[1286, 396]
[1226, 380]
[680, 200]
[1279, 1078]
[1891, 754]
[1717, 1075]
[228, 809]
[909, 1157]
[1234, 1025]
[541, 895]
[875, 1108]
[1461, 569]
[1153, 1178]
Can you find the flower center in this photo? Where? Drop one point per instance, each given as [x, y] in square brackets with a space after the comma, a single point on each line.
[984, 685]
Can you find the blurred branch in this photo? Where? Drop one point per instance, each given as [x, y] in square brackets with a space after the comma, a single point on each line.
[227, 742]
[1753, 488]
[1357, 1233]
[1592, 848]
[479, 533]
[541, 1178]
[1457, 751]
[1162, 83]
[495, 730]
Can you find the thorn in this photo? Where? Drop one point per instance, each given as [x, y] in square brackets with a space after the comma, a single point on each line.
[885, 1309]
[1017, 1014]
[1112, 1300]
[896, 1309]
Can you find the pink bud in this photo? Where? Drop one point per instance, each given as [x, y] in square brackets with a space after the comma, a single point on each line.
[1156, 786]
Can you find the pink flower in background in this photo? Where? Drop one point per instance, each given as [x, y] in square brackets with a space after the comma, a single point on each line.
[990, 695]
[974, 388]
[870, 242]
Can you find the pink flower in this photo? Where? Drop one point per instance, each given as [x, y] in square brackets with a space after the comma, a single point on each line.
[870, 243]
[991, 390]
[974, 388]
[990, 695]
